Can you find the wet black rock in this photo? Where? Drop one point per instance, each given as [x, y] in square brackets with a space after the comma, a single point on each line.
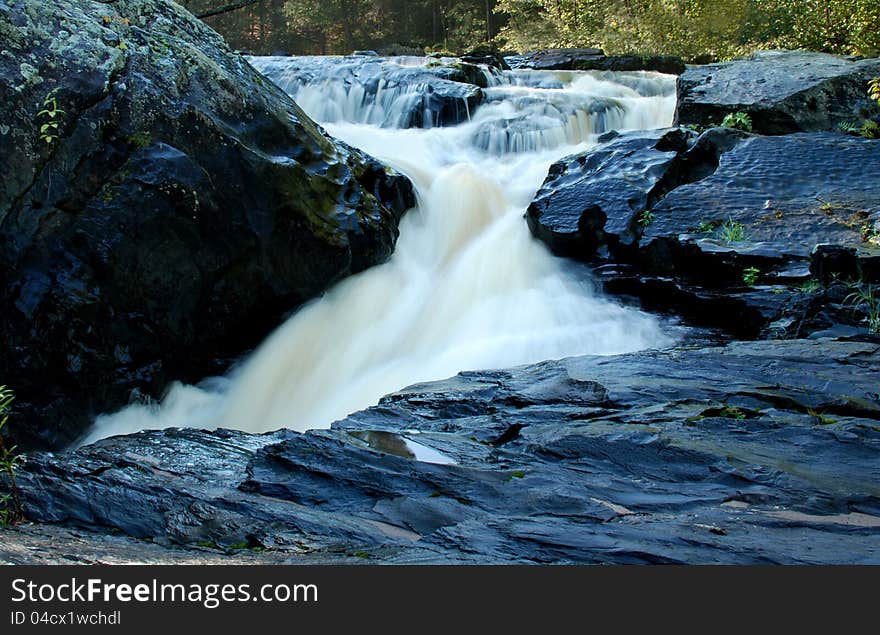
[182, 205]
[573, 59]
[754, 453]
[782, 91]
[720, 228]
[592, 201]
[486, 55]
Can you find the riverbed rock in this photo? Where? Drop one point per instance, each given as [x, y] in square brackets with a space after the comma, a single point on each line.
[182, 205]
[591, 59]
[782, 91]
[721, 228]
[751, 453]
[439, 93]
[487, 56]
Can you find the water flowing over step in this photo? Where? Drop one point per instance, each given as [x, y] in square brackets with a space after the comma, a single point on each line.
[467, 287]
[507, 111]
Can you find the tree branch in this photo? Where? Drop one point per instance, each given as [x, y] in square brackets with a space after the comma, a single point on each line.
[227, 8]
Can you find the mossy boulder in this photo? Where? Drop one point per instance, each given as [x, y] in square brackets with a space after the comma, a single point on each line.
[162, 205]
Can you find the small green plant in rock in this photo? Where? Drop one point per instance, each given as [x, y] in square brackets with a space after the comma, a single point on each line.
[732, 412]
[821, 418]
[870, 234]
[827, 206]
[870, 129]
[810, 286]
[698, 128]
[750, 275]
[50, 118]
[738, 120]
[707, 227]
[645, 218]
[10, 502]
[865, 298]
[850, 127]
[140, 139]
[732, 231]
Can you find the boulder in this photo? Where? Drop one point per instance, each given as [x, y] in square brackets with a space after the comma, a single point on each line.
[486, 56]
[720, 228]
[782, 91]
[591, 202]
[573, 59]
[703, 460]
[182, 205]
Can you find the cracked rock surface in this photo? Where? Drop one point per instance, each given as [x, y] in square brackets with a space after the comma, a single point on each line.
[761, 452]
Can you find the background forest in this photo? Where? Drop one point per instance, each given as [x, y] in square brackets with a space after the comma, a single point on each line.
[697, 30]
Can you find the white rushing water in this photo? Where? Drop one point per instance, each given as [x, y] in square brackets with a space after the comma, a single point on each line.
[467, 288]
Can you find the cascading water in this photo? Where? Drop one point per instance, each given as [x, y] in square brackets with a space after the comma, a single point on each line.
[468, 287]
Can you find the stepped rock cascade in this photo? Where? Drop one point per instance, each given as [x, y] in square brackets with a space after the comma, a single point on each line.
[467, 287]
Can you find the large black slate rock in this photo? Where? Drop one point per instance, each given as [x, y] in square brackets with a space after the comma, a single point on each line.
[782, 91]
[753, 453]
[788, 193]
[658, 214]
[182, 207]
[591, 59]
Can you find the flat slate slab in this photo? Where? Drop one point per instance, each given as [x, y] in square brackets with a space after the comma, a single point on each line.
[783, 91]
[754, 453]
[789, 193]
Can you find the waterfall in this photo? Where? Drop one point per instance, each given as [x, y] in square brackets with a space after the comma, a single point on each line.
[468, 287]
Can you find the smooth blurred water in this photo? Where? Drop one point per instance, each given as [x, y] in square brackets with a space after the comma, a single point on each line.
[467, 288]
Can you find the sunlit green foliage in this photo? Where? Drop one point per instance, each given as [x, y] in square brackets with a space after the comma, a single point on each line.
[738, 120]
[695, 29]
[10, 502]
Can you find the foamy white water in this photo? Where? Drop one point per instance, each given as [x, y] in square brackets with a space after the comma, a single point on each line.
[467, 288]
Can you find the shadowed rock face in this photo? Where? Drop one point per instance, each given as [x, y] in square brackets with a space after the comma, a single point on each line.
[573, 59]
[182, 205]
[759, 452]
[782, 91]
[677, 221]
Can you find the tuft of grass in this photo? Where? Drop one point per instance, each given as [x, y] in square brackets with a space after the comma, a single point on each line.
[732, 231]
[11, 511]
[810, 286]
[864, 298]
